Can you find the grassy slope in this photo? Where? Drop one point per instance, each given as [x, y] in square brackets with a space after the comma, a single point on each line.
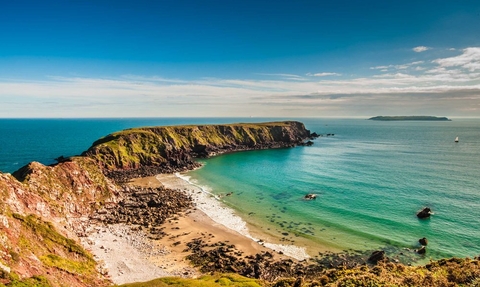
[56, 259]
[152, 146]
[36, 253]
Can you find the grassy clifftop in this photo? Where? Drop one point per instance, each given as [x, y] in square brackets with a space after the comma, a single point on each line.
[176, 146]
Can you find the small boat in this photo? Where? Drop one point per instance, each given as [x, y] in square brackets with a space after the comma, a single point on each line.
[456, 139]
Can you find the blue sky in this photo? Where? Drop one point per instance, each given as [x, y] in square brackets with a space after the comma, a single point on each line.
[239, 58]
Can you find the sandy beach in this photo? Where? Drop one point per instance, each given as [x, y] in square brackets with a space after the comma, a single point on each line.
[127, 254]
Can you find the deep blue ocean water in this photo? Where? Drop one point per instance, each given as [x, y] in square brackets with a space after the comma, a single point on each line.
[371, 178]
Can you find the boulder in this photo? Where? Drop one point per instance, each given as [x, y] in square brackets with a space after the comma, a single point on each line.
[421, 250]
[424, 213]
[423, 241]
[377, 256]
[308, 143]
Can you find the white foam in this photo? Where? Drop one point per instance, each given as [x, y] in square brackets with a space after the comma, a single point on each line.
[211, 205]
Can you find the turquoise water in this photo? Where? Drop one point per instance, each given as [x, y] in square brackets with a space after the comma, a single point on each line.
[371, 178]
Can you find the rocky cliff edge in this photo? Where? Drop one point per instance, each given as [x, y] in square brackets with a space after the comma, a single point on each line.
[43, 210]
[152, 150]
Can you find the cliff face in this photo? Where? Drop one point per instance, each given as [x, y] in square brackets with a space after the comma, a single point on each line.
[41, 212]
[168, 149]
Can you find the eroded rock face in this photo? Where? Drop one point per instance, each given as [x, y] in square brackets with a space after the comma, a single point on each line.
[147, 151]
[48, 207]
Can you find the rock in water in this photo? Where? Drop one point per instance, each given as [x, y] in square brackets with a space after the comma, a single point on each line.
[424, 213]
[423, 241]
[422, 250]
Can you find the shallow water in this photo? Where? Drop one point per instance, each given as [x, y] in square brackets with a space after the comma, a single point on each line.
[370, 177]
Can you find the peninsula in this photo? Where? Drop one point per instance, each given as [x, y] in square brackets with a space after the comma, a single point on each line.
[106, 217]
[408, 118]
[152, 150]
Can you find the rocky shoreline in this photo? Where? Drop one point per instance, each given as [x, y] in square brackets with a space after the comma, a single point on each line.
[148, 207]
[207, 253]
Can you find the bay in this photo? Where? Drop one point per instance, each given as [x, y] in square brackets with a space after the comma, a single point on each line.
[371, 178]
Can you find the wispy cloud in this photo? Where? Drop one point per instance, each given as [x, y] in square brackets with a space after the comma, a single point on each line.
[420, 49]
[448, 85]
[324, 74]
[397, 67]
[280, 75]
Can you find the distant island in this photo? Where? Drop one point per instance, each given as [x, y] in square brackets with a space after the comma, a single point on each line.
[409, 118]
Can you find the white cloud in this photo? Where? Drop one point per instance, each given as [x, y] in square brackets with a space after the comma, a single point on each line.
[449, 84]
[280, 75]
[397, 67]
[381, 67]
[469, 59]
[324, 74]
[420, 49]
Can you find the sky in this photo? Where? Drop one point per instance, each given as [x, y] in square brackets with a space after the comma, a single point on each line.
[229, 58]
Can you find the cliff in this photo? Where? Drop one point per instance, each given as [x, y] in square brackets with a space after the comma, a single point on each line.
[152, 150]
[42, 210]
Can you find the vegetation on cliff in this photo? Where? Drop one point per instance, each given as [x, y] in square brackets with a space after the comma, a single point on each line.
[442, 273]
[41, 210]
[174, 147]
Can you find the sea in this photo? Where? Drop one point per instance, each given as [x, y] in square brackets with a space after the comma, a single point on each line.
[370, 178]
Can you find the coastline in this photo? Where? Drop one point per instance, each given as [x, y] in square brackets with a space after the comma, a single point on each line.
[220, 214]
[126, 253]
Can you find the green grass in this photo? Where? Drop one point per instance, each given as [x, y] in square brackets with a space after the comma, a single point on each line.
[71, 266]
[49, 235]
[35, 281]
[232, 280]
